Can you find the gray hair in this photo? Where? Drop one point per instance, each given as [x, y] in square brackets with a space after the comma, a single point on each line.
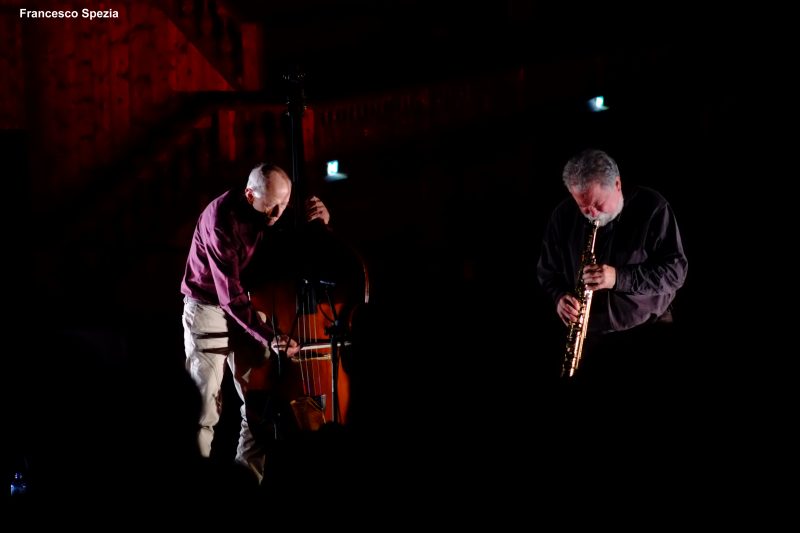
[259, 178]
[590, 166]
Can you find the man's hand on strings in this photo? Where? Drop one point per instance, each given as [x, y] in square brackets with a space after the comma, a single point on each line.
[285, 344]
[315, 209]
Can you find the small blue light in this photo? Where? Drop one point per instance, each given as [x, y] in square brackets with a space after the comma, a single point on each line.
[333, 173]
[597, 104]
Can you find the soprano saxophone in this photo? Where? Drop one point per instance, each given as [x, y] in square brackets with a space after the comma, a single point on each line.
[576, 333]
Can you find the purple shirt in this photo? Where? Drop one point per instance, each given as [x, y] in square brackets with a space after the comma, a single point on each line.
[224, 242]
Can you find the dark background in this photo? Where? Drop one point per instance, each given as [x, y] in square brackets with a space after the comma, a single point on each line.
[454, 392]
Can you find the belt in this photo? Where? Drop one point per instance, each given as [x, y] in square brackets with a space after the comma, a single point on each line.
[191, 300]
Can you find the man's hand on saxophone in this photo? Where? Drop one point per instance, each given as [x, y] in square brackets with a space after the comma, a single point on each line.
[568, 309]
[597, 277]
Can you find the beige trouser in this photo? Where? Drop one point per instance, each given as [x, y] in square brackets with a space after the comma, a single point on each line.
[209, 344]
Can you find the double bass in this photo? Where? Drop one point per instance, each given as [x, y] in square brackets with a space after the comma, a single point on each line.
[316, 286]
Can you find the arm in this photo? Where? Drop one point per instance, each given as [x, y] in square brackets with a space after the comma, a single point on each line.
[551, 270]
[664, 270]
[225, 270]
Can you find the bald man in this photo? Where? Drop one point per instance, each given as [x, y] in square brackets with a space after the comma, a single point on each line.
[217, 308]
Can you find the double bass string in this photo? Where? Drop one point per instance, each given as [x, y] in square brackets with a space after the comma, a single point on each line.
[317, 376]
[306, 330]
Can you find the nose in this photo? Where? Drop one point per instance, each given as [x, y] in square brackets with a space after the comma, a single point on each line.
[590, 211]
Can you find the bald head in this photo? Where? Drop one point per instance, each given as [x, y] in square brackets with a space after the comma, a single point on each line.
[268, 191]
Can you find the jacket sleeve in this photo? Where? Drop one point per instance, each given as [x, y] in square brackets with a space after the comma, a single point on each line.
[664, 269]
[550, 270]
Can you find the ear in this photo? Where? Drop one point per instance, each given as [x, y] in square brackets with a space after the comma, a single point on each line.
[618, 184]
[248, 193]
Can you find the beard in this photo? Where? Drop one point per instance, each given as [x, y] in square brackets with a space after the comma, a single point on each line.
[605, 218]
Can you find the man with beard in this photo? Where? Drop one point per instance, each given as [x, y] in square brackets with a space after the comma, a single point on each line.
[640, 265]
